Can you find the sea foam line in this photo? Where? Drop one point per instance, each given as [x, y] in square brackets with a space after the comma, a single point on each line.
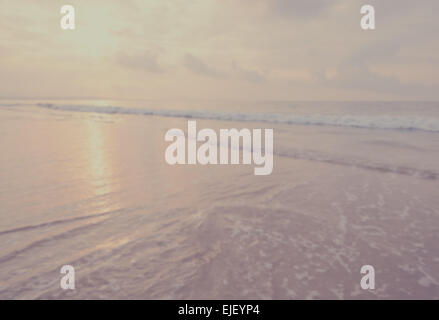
[387, 122]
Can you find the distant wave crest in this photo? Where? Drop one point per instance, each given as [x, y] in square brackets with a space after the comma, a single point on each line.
[354, 121]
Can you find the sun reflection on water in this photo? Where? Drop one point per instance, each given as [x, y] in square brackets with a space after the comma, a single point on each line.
[100, 170]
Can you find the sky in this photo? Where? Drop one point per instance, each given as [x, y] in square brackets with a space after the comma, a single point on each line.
[220, 49]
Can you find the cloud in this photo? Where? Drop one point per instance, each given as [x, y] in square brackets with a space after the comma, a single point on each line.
[249, 75]
[198, 66]
[145, 61]
[297, 9]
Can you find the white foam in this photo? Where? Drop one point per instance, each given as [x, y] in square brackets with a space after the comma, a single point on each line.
[354, 121]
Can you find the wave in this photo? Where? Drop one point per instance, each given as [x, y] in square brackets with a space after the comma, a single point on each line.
[52, 223]
[387, 122]
[310, 155]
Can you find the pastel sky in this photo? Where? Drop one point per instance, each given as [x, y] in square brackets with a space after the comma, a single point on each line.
[220, 49]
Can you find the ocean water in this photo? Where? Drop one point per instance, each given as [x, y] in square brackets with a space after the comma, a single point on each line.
[85, 183]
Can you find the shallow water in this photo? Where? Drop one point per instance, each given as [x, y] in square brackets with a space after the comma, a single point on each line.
[93, 190]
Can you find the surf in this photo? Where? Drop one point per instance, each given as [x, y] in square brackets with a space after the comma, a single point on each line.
[381, 122]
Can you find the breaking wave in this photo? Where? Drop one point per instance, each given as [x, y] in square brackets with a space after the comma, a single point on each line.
[354, 121]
